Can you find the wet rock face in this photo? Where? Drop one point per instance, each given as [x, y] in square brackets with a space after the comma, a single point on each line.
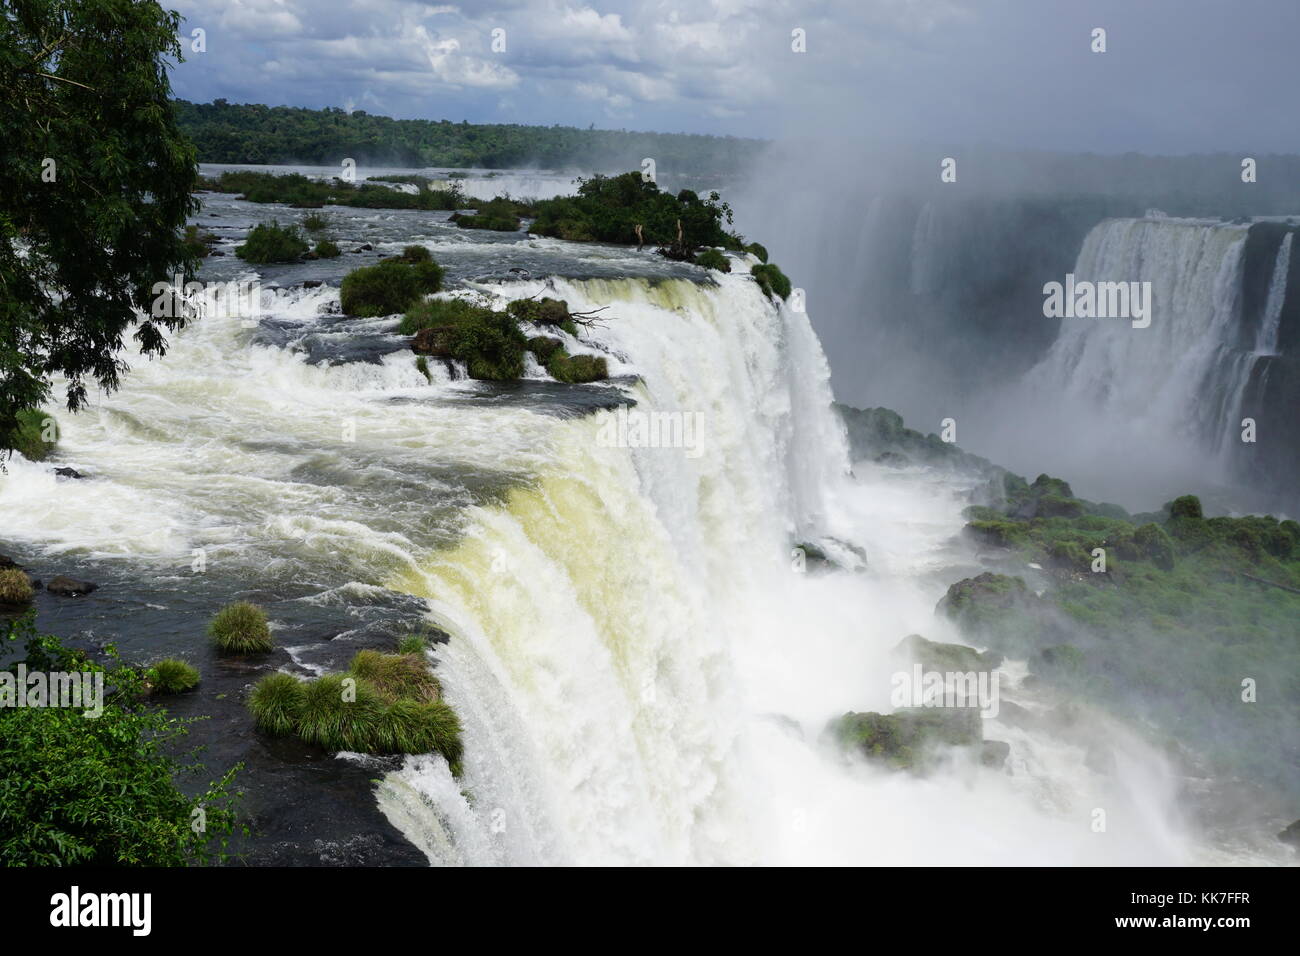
[70, 587]
[945, 657]
[907, 739]
[434, 341]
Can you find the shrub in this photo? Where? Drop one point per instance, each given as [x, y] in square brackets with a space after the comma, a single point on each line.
[326, 249]
[575, 369]
[29, 436]
[241, 628]
[491, 346]
[758, 250]
[771, 280]
[268, 242]
[414, 255]
[396, 675]
[544, 346]
[492, 223]
[431, 313]
[412, 644]
[171, 676]
[340, 712]
[713, 259]
[100, 792]
[276, 703]
[315, 222]
[422, 366]
[389, 287]
[545, 311]
[15, 587]
[1188, 506]
[198, 244]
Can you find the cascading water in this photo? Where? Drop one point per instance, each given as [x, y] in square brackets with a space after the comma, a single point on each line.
[642, 676]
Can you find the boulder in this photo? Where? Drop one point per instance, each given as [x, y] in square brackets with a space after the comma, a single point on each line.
[902, 739]
[70, 587]
[935, 656]
[994, 753]
[68, 473]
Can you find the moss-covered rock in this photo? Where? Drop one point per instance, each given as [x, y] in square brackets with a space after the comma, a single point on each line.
[713, 259]
[906, 739]
[35, 434]
[544, 346]
[576, 369]
[935, 656]
[771, 280]
[546, 311]
[390, 287]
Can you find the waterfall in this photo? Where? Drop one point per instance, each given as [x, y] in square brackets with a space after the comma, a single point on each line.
[1271, 324]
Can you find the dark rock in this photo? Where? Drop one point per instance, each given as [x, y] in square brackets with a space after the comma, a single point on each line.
[70, 587]
[902, 739]
[68, 473]
[312, 283]
[1291, 835]
[8, 562]
[994, 753]
[946, 657]
[216, 252]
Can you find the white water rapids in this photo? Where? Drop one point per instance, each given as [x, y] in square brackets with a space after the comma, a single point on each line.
[642, 676]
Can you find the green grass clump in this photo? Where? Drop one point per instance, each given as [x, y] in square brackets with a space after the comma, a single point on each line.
[544, 346]
[383, 704]
[576, 369]
[413, 644]
[327, 249]
[304, 192]
[172, 676]
[771, 280]
[491, 346]
[422, 366]
[396, 675]
[34, 435]
[276, 703]
[15, 587]
[713, 259]
[758, 250]
[546, 311]
[241, 628]
[269, 242]
[315, 222]
[391, 286]
[432, 313]
[490, 223]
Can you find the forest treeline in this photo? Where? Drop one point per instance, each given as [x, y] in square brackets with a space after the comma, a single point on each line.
[251, 133]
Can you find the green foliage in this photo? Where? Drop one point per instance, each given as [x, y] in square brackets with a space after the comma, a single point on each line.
[241, 628]
[276, 703]
[413, 644]
[545, 311]
[491, 346]
[315, 222]
[901, 740]
[171, 676]
[28, 437]
[431, 313]
[758, 250]
[501, 214]
[86, 85]
[574, 369]
[15, 587]
[197, 244]
[544, 346]
[389, 287]
[490, 223]
[713, 259]
[100, 791]
[384, 704]
[303, 192]
[1188, 506]
[771, 280]
[326, 249]
[422, 366]
[609, 209]
[230, 133]
[269, 242]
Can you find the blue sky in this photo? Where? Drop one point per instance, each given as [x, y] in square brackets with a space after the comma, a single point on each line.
[1177, 75]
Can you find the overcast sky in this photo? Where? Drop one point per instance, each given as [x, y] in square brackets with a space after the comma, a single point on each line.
[1177, 75]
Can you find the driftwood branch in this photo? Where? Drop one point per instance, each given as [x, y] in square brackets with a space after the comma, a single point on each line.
[1274, 584]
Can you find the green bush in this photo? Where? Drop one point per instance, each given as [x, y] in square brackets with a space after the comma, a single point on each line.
[241, 628]
[171, 676]
[491, 346]
[713, 259]
[431, 313]
[303, 192]
[276, 703]
[101, 792]
[391, 286]
[544, 346]
[327, 249]
[1188, 506]
[414, 255]
[758, 250]
[413, 644]
[15, 587]
[315, 222]
[384, 704]
[771, 280]
[29, 437]
[545, 311]
[575, 369]
[268, 242]
[198, 244]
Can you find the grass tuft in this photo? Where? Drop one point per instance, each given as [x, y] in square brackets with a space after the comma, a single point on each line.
[241, 628]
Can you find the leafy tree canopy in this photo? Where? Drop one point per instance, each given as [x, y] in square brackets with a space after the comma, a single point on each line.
[98, 182]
